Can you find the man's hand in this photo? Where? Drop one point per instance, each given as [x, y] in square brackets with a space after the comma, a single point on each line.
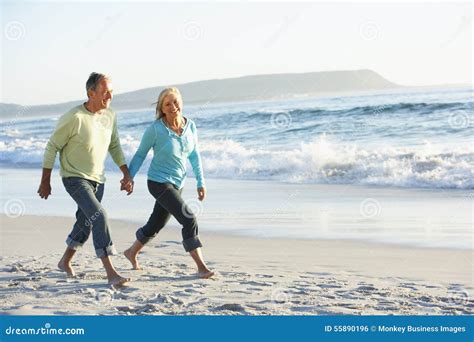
[44, 189]
[201, 193]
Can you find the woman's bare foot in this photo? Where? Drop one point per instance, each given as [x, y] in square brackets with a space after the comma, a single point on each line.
[66, 267]
[118, 281]
[133, 259]
[205, 273]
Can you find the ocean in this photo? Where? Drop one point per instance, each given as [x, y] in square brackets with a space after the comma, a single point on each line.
[409, 139]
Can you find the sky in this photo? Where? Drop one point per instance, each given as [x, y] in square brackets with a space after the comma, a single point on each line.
[48, 49]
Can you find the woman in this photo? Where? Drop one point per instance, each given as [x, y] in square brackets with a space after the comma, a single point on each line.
[174, 140]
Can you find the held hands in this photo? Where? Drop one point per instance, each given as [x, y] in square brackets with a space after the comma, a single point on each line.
[44, 189]
[201, 193]
[126, 183]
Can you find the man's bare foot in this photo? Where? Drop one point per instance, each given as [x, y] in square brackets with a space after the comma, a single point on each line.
[66, 268]
[118, 281]
[205, 274]
[133, 259]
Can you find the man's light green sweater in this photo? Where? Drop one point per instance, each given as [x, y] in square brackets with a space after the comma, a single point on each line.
[83, 139]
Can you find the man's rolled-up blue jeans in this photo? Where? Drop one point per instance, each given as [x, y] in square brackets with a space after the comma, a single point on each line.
[90, 216]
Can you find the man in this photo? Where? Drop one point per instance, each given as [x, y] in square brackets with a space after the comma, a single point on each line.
[83, 137]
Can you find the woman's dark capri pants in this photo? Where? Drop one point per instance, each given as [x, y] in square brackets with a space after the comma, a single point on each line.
[169, 202]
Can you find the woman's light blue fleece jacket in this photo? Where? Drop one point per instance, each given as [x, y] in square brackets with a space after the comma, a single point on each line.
[170, 153]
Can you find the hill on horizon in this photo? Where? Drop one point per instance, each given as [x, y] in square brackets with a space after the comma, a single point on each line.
[245, 88]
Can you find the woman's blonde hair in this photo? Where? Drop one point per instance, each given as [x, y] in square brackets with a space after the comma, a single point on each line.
[161, 98]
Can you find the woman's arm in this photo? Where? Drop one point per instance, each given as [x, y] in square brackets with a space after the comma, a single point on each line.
[196, 162]
[147, 142]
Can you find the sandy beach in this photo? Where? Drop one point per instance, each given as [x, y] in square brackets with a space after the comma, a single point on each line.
[255, 276]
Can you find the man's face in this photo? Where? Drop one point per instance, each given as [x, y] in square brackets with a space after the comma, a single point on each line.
[102, 95]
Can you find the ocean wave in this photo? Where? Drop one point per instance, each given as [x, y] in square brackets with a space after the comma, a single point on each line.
[325, 161]
[320, 161]
[320, 114]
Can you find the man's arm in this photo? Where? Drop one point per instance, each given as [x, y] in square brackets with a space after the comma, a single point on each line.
[61, 135]
[115, 149]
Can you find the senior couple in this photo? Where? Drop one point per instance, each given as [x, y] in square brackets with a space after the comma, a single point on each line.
[84, 136]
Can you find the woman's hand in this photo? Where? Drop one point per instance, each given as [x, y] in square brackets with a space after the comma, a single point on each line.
[201, 193]
[126, 183]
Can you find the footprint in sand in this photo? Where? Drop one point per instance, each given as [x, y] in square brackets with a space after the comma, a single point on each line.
[366, 289]
[165, 299]
[264, 276]
[305, 309]
[348, 295]
[231, 307]
[319, 273]
[242, 291]
[330, 296]
[306, 277]
[27, 279]
[234, 274]
[189, 291]
[410, 286]
[353, 306]
[258, 283]
[329, 286]
[300, 291]
[121, 295]
[187, 285]
[199, 301]
[181, 293]
[172, 242]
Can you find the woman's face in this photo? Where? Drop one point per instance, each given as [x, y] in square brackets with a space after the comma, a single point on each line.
[171, 106]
